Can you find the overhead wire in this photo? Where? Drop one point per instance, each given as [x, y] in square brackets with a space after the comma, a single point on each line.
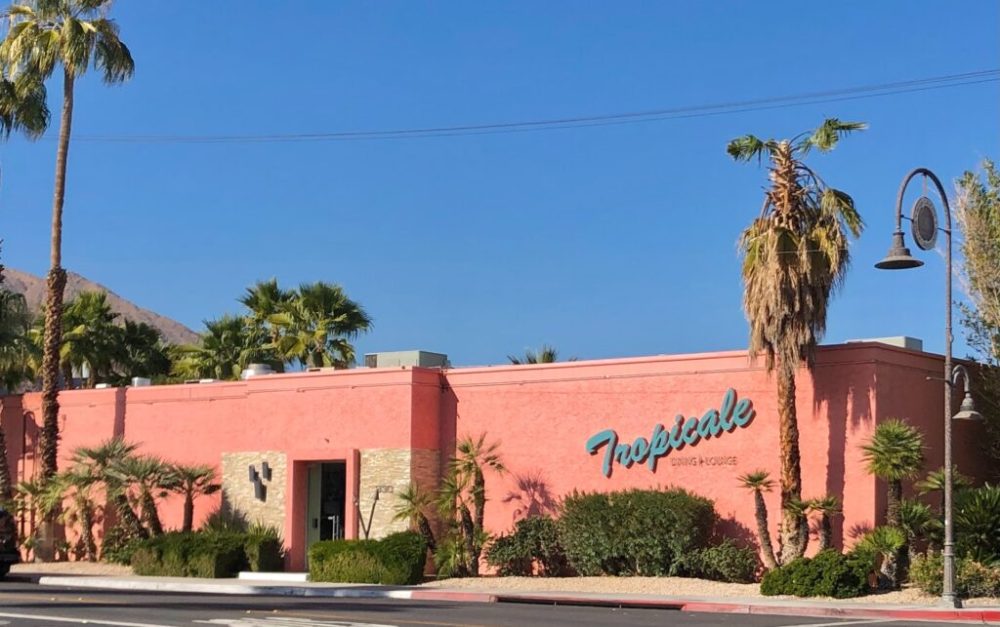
[686, 112]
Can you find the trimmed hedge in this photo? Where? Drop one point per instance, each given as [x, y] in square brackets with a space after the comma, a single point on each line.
[727, 562]
[635, 532]
[397, 559]
[532, 548]
[828, 574]
[206, 554]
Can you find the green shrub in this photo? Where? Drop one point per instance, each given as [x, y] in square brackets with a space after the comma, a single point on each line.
[396, 559]
[828, 574]
[118, 546]
[264, 549]
[185, 554]
[635, 532]
[972, 579]
[532, 548]
[977, 524]
[727, 562]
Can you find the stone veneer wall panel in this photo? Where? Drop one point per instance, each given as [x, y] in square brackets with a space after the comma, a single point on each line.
[392, 469]
[238, 491]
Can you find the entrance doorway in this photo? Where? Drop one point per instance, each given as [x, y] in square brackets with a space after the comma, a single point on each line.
[325, 518]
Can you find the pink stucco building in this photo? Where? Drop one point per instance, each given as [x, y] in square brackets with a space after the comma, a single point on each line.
[338, 445]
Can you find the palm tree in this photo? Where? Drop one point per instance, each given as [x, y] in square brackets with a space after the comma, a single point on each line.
[935, 480]
[916, 521]
[74, 486]
[15, 342]
[827, 507]
[192, 482]
[759, 482]
[412, 506]
[468, 470]
[140, 352]
[152, 478]
[895, 452]
[227, 346]
[72, 34]
[316, 326]
[265, 299]
[545, 355]
[794, 257]
[884, 542]
[102, 460]
[91, 337]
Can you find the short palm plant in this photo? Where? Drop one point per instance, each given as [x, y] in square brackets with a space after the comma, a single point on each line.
[192, 482]
[413, 504]
[884, 543]
[102, 460]
[827, 507]
[759, 482]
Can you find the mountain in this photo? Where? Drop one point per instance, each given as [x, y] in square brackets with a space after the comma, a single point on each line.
[33, 288]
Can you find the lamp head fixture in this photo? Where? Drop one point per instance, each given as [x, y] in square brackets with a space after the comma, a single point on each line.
[898, 257]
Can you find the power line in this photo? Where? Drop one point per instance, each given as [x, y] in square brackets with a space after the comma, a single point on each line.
[695, 111]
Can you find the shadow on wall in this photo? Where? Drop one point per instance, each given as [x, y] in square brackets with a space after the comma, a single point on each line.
[530, 496]
[733, 529]
[848, 404]
[448, 436]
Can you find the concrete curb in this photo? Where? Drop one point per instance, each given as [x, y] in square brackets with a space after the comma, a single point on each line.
[970, 615]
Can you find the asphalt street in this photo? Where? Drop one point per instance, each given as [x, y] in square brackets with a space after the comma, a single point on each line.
[33, 605]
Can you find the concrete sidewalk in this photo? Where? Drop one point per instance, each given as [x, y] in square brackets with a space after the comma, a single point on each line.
[793, 607]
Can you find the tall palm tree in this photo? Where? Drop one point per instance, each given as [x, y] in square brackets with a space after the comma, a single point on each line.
[265, 299]
[794, 257]
[15, 342]
[140, 352]
[760, 482]
[192, 482]
[228, 345]
[545, 355]
[316, 327]
[73, 35]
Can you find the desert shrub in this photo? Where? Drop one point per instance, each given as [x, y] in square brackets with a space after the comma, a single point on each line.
[635, 532]
[396, 559]
[977, 524]
[828, 574]
[118, 546]
[532, 548]
[224, 520]
[726, 562]
[972, 579]
[187, 554]
[264, 549]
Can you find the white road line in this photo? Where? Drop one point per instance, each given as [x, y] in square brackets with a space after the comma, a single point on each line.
[79, 621]
[869, 621]
[284, 622]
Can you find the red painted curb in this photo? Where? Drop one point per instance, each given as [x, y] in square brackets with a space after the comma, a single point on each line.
[969, 615]
[445, 595]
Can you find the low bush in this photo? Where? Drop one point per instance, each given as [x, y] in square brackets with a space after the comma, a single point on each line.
[635, 532]
[972, 579]
[118, 546]
[532, 548]
[977, 524]
[727, 562]
[264, 549]
[396, 559]
[828, 574]
[186, 554]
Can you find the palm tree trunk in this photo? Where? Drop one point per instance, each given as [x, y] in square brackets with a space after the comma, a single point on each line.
[48, 444]
[763, 533]
[469, 538]
[793, 521]
[6, 487]
[825, 532]
[424, 526]
[188, 510]
[128, 518]
[893, 502]
[150, 515]
[87, 529]
[67, 375]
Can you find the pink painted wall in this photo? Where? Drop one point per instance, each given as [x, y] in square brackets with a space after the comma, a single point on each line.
[542, 415]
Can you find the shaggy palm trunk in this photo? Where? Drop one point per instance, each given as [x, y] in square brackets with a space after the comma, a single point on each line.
[6, 487]
[67, 375]
[149, 514]
[424, 526]
[479, 502]
[896, 567]
[128, 519]
[86, 529]
[469, 538]
[56, 283]
[763, 533]
[794, 528]
[188, 510]
[825, 532]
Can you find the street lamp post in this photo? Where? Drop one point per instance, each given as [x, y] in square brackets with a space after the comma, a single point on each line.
[925, 230]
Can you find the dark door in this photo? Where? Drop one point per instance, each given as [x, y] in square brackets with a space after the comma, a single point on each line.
[333, 487]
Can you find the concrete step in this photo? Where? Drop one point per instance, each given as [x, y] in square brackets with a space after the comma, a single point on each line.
[286, 577]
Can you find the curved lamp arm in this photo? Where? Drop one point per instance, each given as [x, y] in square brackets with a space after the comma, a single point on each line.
[940, 188]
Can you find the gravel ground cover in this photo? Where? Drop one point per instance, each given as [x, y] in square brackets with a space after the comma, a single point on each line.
[673, 586]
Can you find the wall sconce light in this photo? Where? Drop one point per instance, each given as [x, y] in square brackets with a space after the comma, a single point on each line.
[265, 470]
[257, 479]
[252, 472]
[260, 491]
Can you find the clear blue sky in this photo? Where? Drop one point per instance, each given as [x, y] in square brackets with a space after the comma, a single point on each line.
[607, 241]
